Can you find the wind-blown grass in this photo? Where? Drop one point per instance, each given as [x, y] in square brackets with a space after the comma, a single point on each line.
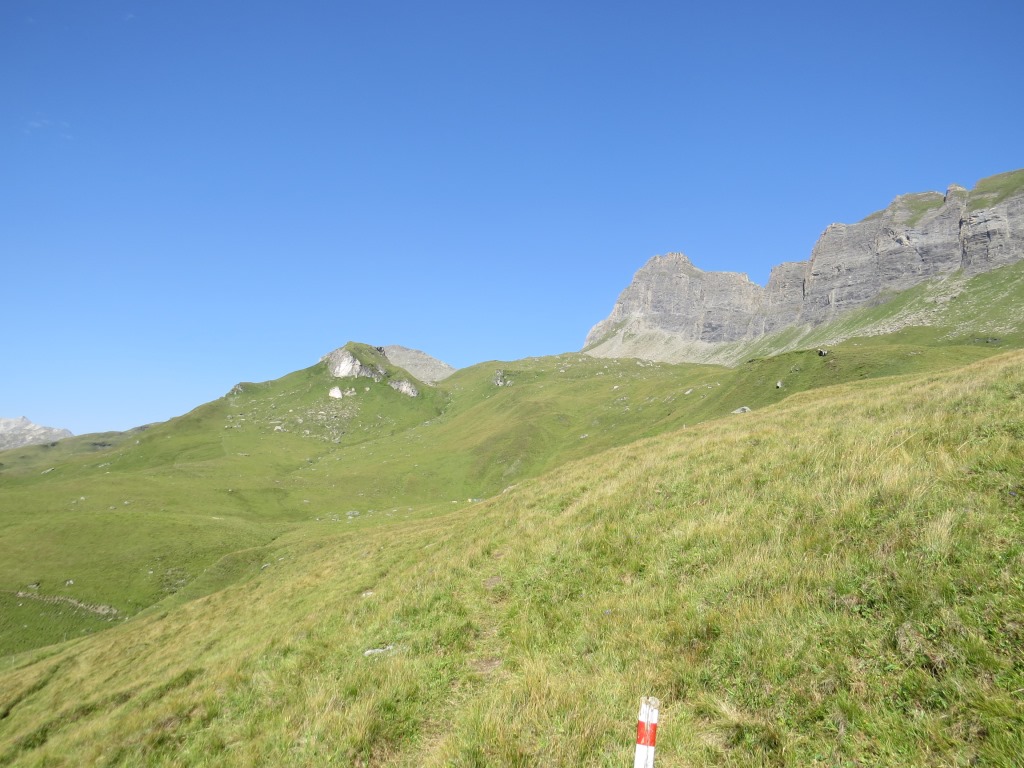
[833, 580]
[167, 512]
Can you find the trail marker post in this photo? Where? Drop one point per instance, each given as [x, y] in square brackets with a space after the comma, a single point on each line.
[646, 731]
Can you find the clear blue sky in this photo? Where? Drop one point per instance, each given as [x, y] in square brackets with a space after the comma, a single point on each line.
[195, 193]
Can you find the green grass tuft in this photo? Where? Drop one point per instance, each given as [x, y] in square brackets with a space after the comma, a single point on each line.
[996, 189]
[919, 205]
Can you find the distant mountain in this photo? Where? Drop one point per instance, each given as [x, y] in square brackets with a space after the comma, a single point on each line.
[419, 364]
[15, 433]
[675, 312]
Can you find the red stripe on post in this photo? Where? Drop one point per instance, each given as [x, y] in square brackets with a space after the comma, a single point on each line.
[646, 733]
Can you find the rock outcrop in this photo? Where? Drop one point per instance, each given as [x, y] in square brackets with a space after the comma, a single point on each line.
[344, 365]
[404, 386]
[360, 360]
[15, 433]
[674, 311]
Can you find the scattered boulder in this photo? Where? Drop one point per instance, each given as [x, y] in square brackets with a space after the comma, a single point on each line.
[500, 380]
[742, 409]
[822, 352]
[778, 384]
[405, 387]
[335, 393]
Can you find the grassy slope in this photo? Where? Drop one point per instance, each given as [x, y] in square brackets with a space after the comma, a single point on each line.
[833, 580]
[996, 189]
[127, 521]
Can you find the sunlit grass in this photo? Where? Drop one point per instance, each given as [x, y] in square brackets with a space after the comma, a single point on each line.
[835, 580]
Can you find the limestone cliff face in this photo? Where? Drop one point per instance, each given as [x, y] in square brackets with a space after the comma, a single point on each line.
[671, 294]
[916, 238]
[675, 311]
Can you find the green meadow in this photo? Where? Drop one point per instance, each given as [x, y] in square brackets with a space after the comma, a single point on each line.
[493, 575]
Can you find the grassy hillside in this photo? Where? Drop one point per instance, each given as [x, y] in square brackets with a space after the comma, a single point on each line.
[832, 580]
[996, 189]
[96, 529]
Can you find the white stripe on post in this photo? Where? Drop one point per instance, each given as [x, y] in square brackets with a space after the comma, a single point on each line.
[646, 732]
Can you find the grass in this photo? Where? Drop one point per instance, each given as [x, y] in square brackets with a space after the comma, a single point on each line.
[995, 189]
[138, 520]
[920, 204]
[986, 193]
[831, 579]
[835, 579]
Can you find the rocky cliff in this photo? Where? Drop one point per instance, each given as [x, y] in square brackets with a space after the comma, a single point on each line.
[674, 311]
[15, 433]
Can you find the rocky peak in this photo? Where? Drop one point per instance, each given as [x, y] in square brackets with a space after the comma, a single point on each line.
[670, 293]
[15, 433]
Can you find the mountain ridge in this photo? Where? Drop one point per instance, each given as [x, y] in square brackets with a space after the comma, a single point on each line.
[673, 311]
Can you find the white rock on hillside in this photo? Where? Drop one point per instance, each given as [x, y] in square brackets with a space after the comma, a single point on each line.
[405, 387]
[343, 365]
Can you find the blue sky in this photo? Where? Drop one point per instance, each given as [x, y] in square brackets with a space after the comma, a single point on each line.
[194, 193]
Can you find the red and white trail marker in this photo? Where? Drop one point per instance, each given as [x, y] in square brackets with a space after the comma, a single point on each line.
[646, 731]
